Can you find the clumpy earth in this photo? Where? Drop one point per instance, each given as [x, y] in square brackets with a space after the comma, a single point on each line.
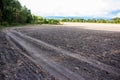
[103, 46]
[14, 66]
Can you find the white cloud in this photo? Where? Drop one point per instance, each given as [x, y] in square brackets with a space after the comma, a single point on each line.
[99, 8]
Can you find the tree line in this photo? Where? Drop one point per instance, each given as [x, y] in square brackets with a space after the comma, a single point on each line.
[113, 20]
[41, 20]
[12, 13]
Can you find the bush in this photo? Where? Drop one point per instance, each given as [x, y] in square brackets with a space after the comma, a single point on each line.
[5, 24]
[15, 24]
[53, 21]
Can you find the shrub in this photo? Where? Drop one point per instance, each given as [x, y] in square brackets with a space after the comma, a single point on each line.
[5, 24]
[15, 24]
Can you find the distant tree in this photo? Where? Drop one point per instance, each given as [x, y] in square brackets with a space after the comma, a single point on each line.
[45, 21]
[101, 21]
[116, 20]
[53, 21]
[75, 20]
[65, 20]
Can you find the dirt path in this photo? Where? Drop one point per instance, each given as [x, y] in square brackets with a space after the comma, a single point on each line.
[15, 66]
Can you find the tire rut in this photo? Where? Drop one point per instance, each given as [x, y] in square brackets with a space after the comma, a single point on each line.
[92, 62]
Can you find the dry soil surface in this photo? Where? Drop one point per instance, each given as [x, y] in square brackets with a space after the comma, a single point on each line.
[15, 66]
[84, 44]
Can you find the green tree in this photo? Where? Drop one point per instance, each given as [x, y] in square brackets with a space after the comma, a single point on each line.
[116, 20]
[53, 21]
[65, 20]
[12, 12]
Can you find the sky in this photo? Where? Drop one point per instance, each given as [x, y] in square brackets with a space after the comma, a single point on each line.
[81, 8]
